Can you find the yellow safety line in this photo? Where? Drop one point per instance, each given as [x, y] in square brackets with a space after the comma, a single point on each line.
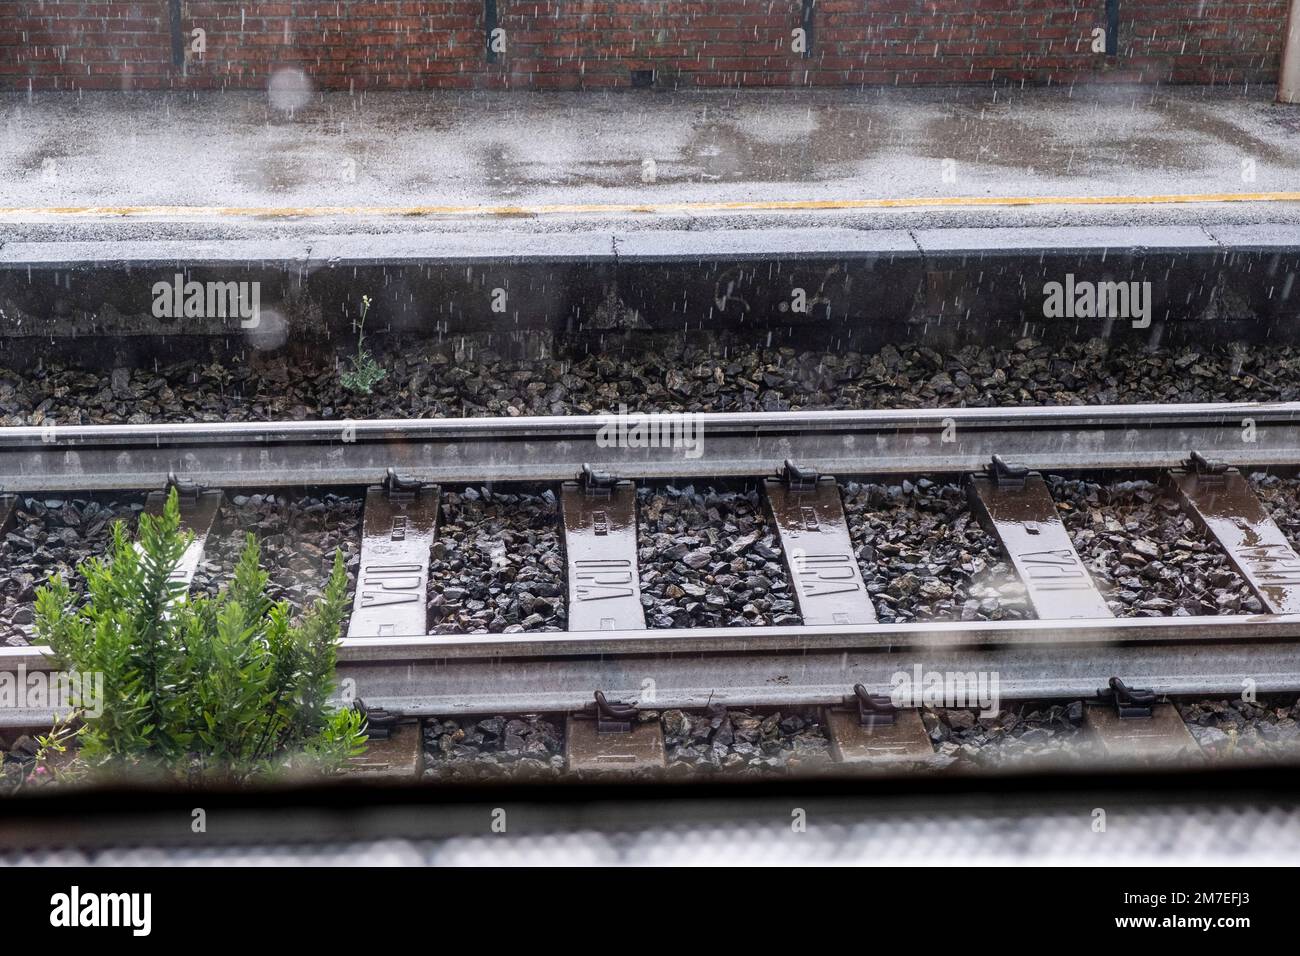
[956, 202]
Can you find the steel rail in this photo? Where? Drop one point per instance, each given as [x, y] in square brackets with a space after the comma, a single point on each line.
[809, 666]
[800, 665]
[934, 441]
[813, 678]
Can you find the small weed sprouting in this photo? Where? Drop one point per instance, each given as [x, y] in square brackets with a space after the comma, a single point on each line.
[366, 372]
[47, 764]
[200, 689]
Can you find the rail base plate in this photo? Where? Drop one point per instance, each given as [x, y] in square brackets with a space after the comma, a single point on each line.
[902, 742]
[1161, 737]
[399, 756]
[588, 751]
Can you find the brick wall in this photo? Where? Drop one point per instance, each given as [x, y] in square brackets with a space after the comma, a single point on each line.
[604, 44]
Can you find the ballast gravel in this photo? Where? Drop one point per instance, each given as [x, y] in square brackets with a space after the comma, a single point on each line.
[1020, 734]
[491, 748]
[463, 377]
[710, 558]
[52, 535]
[497, 565]
[1268, 728]
[298, 536]
[925, 557]
[1146, 555]
[745, 741]
[1280, 497]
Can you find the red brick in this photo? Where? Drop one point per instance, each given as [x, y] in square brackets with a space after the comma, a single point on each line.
[558, 44]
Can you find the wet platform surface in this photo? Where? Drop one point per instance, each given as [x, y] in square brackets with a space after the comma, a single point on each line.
[590, 150]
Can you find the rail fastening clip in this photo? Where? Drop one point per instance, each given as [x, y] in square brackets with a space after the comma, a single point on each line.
[1131, 703]
[798, 478]
[611, 717]
[1006, 474]
[596, 484]
[1207, 469]
[380, 723]
[874, 710]
[186, 491]
[402, 487]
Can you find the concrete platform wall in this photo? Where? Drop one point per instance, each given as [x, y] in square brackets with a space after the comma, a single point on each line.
[612, 44]
[834, 289]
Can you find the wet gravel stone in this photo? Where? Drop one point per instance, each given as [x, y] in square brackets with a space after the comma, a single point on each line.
[298, 537]
[710, 558]
[1026, 732]
[18, 767]
[1147, 557]
[925, 557]
[745, 741]
[1237, 729]
[52, 535]
[497, 565]
[1281, 499]
[490, 748]
[667, 372]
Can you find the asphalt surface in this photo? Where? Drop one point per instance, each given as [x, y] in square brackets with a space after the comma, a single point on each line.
[397, 150]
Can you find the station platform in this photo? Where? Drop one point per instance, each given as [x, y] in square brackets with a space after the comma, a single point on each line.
[232, 165]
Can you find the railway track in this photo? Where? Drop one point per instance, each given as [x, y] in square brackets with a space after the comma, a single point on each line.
[840, 655]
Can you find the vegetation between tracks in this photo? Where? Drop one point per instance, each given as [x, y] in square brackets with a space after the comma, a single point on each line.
[366, 373]
[195, 688]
